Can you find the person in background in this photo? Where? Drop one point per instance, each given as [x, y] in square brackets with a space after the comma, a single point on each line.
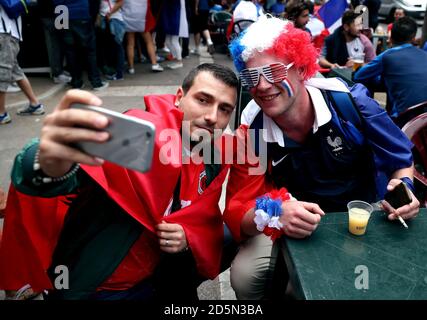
[373, 8]
[201, 17]
[54, 42]
[278, 8]
[175, 25]
[269, 4]
[80, 44]
[111, 21]
[298, 11]
[10, 71]
[316, 27]
[345, 42]
[402, 68]
[226, 5]
[185, 42]
[317, 5]
[245, 10]
[137, 17]
[156, 9]
[398, 13]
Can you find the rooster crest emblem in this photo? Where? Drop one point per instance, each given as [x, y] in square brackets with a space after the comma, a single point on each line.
[336, 143]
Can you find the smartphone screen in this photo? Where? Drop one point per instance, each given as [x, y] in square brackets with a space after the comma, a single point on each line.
[398, 197]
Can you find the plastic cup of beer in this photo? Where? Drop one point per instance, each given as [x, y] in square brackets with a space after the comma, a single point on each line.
[358, 61]
[359, 213]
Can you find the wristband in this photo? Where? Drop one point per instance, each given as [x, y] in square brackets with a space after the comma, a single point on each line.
[409, 183]
[42, 178]
[268, 210]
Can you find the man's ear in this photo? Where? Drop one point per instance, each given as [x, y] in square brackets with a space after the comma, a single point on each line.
[302, 72]
[346, 27]
[178, 96]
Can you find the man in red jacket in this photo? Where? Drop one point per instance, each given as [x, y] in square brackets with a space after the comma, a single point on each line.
[121, 225]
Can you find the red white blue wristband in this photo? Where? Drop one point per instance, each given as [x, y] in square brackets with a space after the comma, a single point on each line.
[268, 210]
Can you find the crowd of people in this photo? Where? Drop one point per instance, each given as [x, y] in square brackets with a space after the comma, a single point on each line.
[126, 235]
[104, 38]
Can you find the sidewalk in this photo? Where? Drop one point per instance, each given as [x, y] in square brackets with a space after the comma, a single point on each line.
[43, 88]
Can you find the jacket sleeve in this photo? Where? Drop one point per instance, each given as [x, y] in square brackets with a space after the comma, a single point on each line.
[23, 174]
[369, 48]
[245, 184]
[391, 147]
[370, 71]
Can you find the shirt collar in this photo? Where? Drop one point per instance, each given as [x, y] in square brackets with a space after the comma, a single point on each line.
[322, 114]
[405, 45]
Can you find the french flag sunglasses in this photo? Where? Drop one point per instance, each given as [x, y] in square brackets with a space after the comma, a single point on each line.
[273, 73]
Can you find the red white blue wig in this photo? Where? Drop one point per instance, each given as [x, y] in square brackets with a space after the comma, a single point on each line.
[278, 37]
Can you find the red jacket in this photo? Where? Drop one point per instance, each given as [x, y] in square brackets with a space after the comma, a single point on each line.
[33, 224]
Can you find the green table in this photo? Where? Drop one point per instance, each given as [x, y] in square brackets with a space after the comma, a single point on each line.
[323, 266]
[344, 73]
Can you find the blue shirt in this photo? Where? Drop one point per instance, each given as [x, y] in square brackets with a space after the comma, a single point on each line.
[78, 9]
[404, 72]
[203, 5]
[277, 8]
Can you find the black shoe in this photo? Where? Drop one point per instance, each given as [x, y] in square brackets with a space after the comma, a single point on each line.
[102, 86]
[211, 49]
[77, 85]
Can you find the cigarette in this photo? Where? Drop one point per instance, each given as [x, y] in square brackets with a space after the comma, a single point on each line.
[403, 222]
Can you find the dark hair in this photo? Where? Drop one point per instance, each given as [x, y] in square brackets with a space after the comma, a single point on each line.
[403, 10]
[403, 30]
[390, 16]
[222, 73]
[348, 17]
[295, 7]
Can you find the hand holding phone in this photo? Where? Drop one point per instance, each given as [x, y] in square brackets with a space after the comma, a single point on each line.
[131, 141]
[398, 197]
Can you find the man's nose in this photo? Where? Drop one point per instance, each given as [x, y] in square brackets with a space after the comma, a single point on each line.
[263, 84]
[212, 115]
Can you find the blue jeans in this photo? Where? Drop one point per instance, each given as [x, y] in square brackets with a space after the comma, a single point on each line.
[80, 49]
[117, 31]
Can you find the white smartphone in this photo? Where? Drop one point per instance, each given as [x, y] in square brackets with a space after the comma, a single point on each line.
[131, 140]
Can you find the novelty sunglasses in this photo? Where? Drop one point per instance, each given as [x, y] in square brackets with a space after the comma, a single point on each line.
[273, 73]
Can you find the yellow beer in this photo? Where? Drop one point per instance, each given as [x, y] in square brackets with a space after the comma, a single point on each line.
[357, 221]
[357, 64]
